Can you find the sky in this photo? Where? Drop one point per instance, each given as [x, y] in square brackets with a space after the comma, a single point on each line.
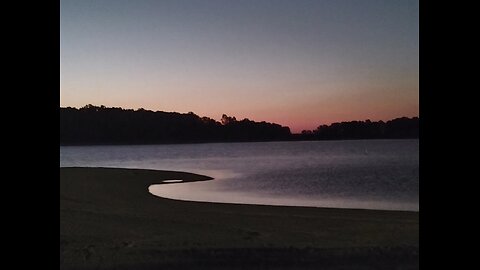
[298, 63]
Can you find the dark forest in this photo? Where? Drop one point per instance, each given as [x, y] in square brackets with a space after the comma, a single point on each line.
[94, 125]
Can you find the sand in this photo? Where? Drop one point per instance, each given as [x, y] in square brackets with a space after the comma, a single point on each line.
[109, 220]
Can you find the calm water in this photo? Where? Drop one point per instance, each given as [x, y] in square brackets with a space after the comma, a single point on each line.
[373, 174]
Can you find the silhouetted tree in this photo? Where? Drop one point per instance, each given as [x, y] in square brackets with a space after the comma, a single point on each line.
[394, 129]
[102, 125]
[227, 119]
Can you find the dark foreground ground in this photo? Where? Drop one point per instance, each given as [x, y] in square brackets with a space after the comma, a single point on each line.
[109, 220]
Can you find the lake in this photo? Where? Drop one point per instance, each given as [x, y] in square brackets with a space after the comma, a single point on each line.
[368, 174]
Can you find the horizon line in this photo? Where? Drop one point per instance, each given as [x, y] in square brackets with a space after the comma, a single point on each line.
[191, 112]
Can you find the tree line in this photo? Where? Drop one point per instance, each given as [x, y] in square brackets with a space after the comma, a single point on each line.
[103, 125]
[399, 128]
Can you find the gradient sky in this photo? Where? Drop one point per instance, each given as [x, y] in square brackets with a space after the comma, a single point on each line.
[297, 63]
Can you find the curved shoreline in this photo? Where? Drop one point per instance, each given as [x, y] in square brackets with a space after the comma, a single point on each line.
[242, 197]
[108, 219]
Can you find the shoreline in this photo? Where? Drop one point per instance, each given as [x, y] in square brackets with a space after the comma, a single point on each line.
[229, 142]
[108, 219]
[256, 200]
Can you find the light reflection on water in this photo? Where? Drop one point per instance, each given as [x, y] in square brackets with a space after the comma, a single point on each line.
[373, 174]
[203, 192]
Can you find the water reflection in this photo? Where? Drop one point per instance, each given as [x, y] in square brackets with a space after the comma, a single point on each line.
[377, 174]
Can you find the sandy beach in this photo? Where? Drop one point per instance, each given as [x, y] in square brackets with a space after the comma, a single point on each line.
[109, 220]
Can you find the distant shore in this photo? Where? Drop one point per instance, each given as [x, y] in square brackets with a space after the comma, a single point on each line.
[103, 125]
[109, 220]
[219, 142]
